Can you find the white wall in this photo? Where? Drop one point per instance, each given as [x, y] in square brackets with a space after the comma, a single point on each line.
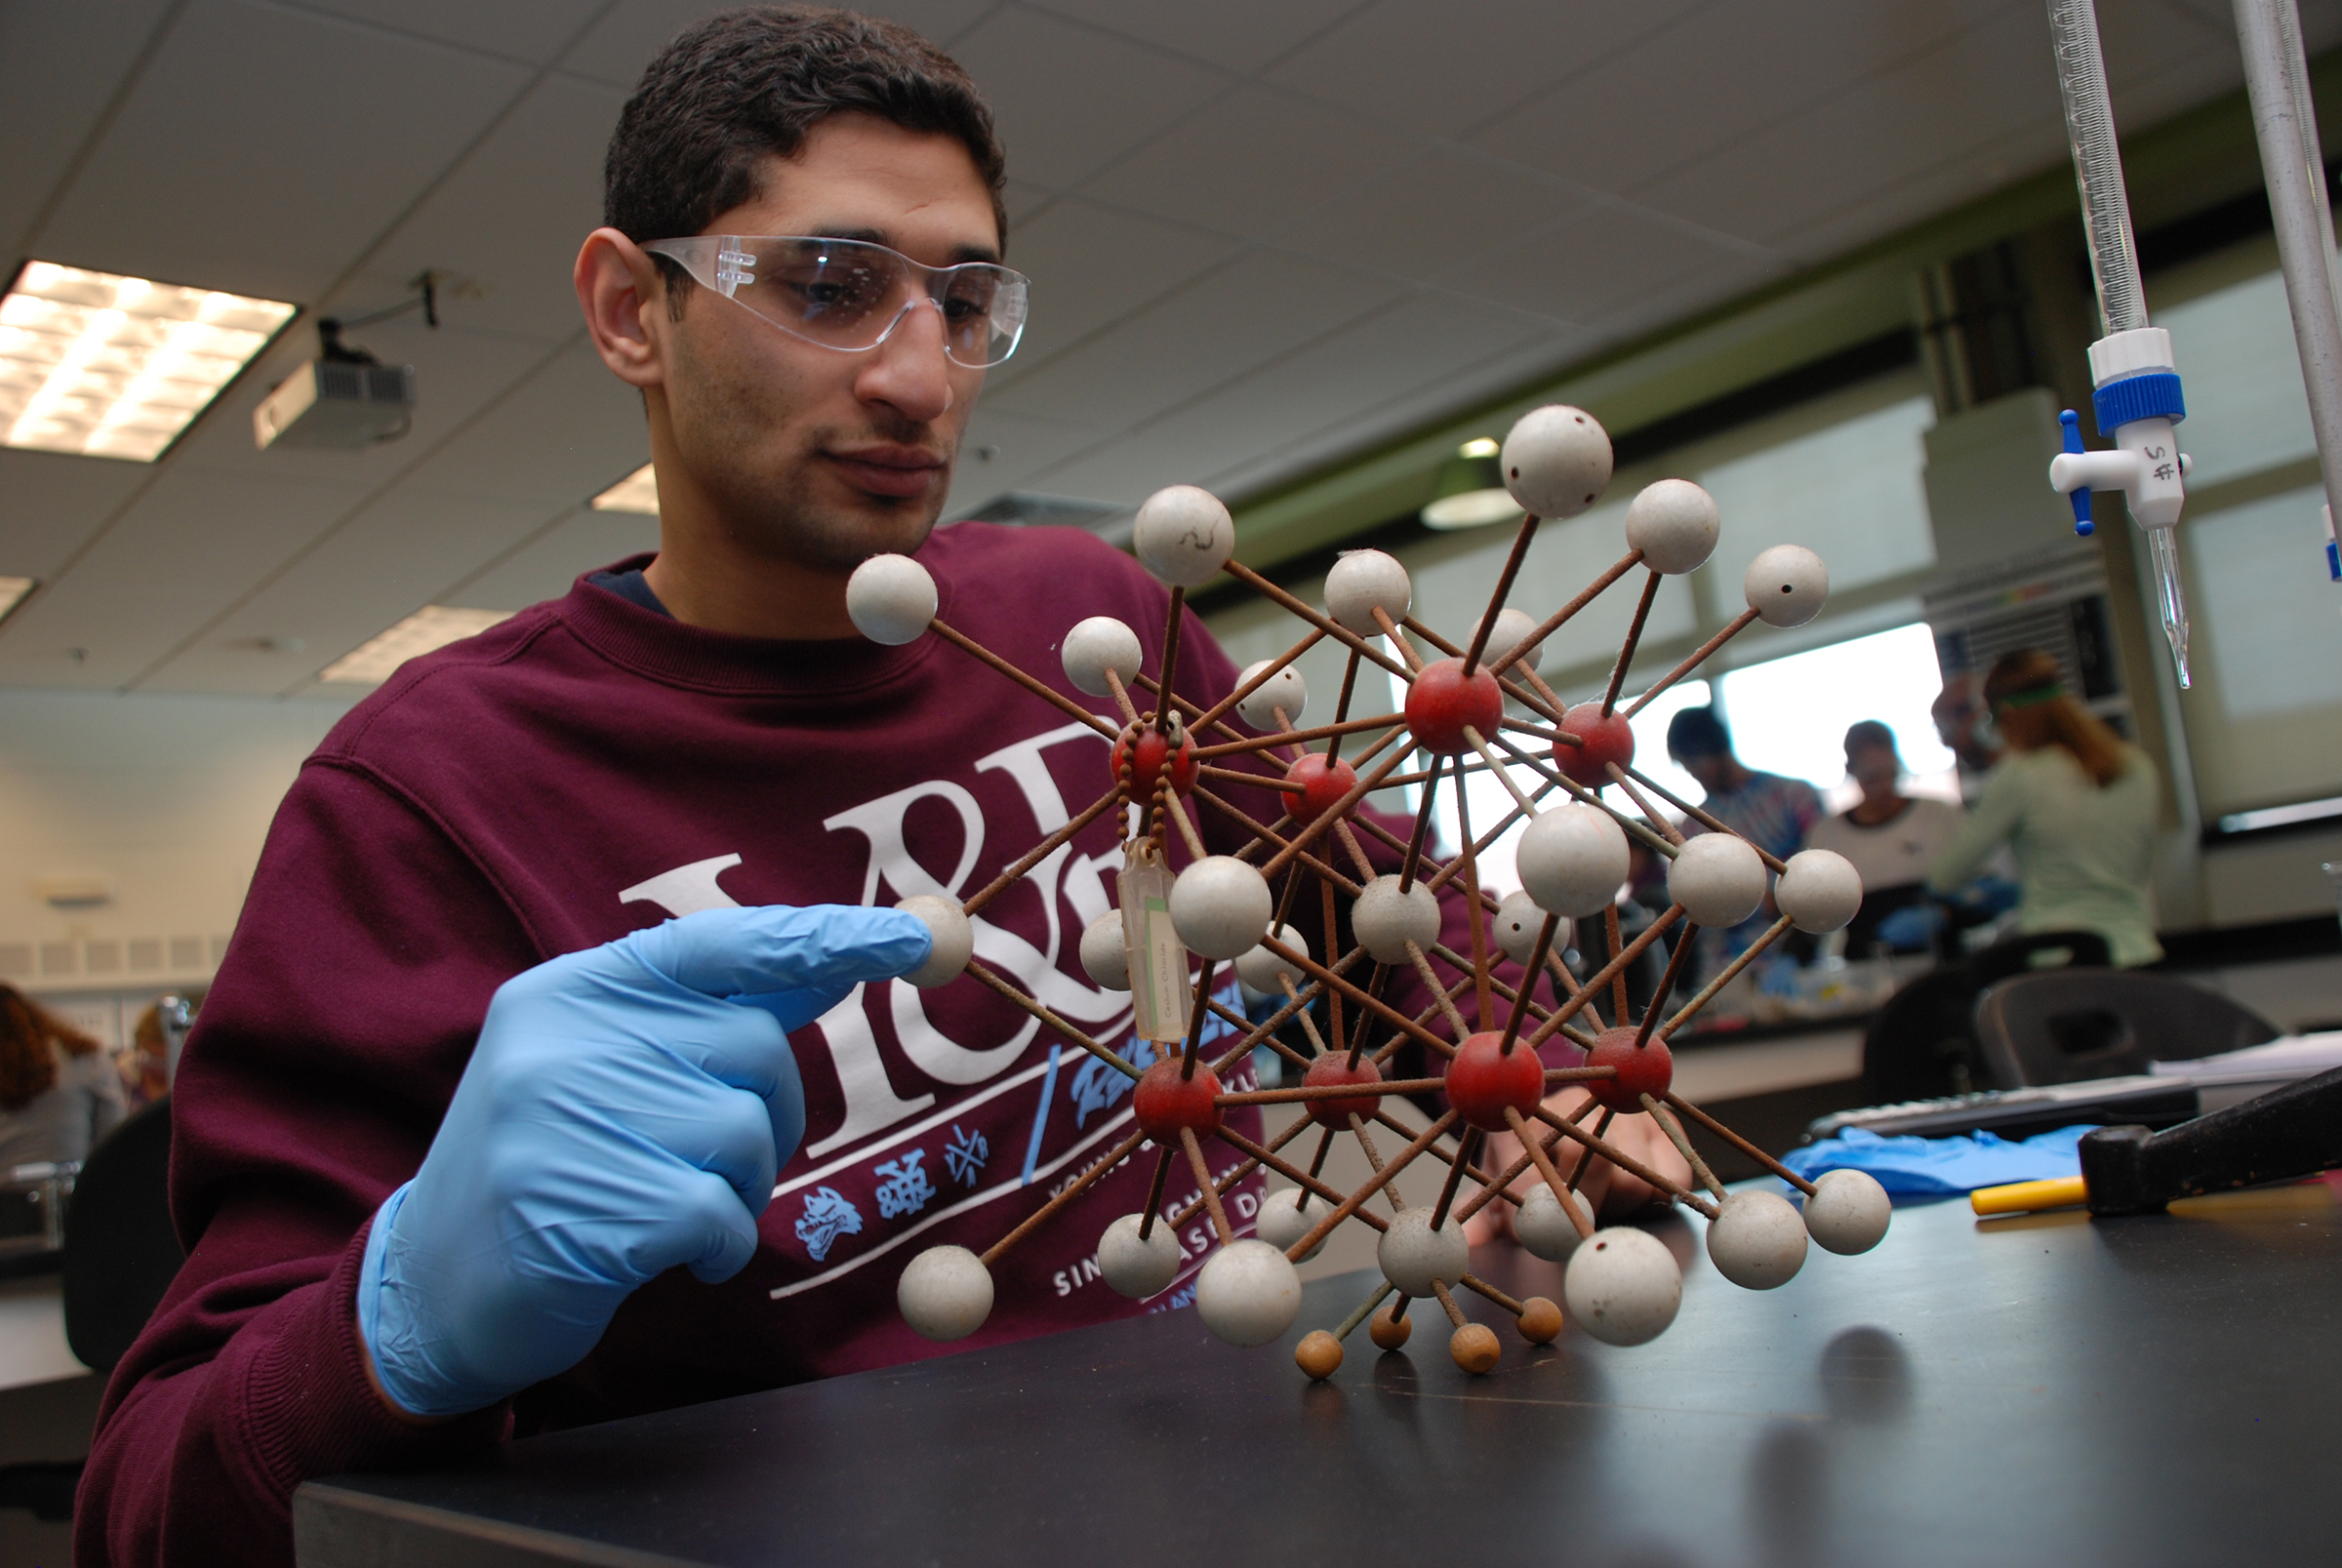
[169, 796]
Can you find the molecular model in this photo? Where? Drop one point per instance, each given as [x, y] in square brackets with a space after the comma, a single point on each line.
[1621, 1284]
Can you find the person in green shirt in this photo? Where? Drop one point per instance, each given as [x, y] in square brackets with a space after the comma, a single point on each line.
[2076, 806]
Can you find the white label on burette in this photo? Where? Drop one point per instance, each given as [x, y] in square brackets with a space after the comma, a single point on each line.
[1158, 960]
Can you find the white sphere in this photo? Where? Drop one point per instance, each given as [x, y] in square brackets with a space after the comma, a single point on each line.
[954, 939]
[1572, 860]
[1517, 924]
[1285, 689]
[1543, 1227]
[946, 1294]
[1259, 968]
[1719, 878]
[1183, 536]
[1097, 644]
[1623, 1286]
[1758, 1240]
[1138, 1267]
[1787, 585]
[1412, 1254]
[1513, 628]
[1220, 906]
[890, 600]
[1360, 582]
[1673, 523]
[1247, 1292]
[1556, 460]
[1104, 957]
[1385, 920]
[1819, 890]
[1849, 1212]
[1284, 1220]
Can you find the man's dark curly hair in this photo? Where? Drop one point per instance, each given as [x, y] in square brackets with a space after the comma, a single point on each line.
[725, 92]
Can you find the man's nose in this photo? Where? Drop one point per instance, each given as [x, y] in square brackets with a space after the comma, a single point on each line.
[909, 372]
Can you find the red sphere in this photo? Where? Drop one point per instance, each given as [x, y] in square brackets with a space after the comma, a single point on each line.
[1441, 705]
[1163, 1102]
[1607, 740]
[1645, 1072]
[1323, 787]
[1332, 1069]
[1482, 1081]
[1144, 750]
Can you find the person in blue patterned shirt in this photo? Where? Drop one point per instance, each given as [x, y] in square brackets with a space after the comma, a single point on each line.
[1769, 811]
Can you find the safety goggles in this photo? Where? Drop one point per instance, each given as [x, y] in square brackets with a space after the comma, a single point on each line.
[851, 294]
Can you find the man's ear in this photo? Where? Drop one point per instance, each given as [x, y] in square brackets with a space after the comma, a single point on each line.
[623, 296]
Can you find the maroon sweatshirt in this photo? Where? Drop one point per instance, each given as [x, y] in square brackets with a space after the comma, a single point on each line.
[584, 769]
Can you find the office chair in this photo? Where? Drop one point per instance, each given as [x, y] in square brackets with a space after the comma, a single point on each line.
[121, 1249]
[1922, 1044]
[2066, 1026]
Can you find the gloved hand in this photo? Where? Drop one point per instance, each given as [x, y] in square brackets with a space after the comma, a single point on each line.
[1915, 925]
[626, 1110]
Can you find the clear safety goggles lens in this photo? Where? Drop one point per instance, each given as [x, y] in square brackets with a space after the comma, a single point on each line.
[849, 294]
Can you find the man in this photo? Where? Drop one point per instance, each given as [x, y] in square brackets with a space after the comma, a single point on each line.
[456, 1155]
[556, 1071]
[1890, 838]
[1965, 723]
[1769, 811]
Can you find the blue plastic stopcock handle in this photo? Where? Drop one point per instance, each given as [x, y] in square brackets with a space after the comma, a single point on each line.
[2070, 423]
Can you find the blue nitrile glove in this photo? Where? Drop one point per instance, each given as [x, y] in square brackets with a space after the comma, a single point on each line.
[624, 1112]
[1961, 1163]
[1915, 925]
[1778, 979]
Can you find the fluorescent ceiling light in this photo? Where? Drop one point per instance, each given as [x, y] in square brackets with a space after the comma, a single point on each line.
[434, 625]
[114, 367]
[2307, 811]
[12, 592]
[637, 492]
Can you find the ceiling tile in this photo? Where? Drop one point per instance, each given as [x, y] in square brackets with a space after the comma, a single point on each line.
[1306, 391]
[458, 372]
[1251, 162]
[508, 219]
[385, 564]
[535, 32]
[623, 43]
[564, 434]
[1249, 311]
[53, 501]
[59, 66]
[1710, 79]
[1586, 265]
[1443, 68]
[189, 546]
[1069, 99]
[192, 184]
[1022, 447]
[1237, 35]
[545, 565]
[1091, 265]
[1456, 204]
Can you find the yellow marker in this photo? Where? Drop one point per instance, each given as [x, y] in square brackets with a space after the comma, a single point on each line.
[2020, 1198]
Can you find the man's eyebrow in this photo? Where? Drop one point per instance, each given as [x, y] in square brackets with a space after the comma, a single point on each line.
[880, 236]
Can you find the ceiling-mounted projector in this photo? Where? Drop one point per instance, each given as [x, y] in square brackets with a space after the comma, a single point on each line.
[345, 398]
[338, 404]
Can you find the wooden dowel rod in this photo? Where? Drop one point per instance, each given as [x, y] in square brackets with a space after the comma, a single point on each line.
[1268, 673]
[1048, 694]
[1554, 622]
[1039, 852]
[1626, 649]
[1771, 1164]
[1627, 1162]
[1742, 960]
[1059, 1025]
[1331, 1091]
[1262, 743]
[1472, 1282]
[1673, 1129]
[1382, 1179]
[1032, 1222]
[1539, 1153]
[1503, 592]
[1204, 1179]
[1738, 625]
